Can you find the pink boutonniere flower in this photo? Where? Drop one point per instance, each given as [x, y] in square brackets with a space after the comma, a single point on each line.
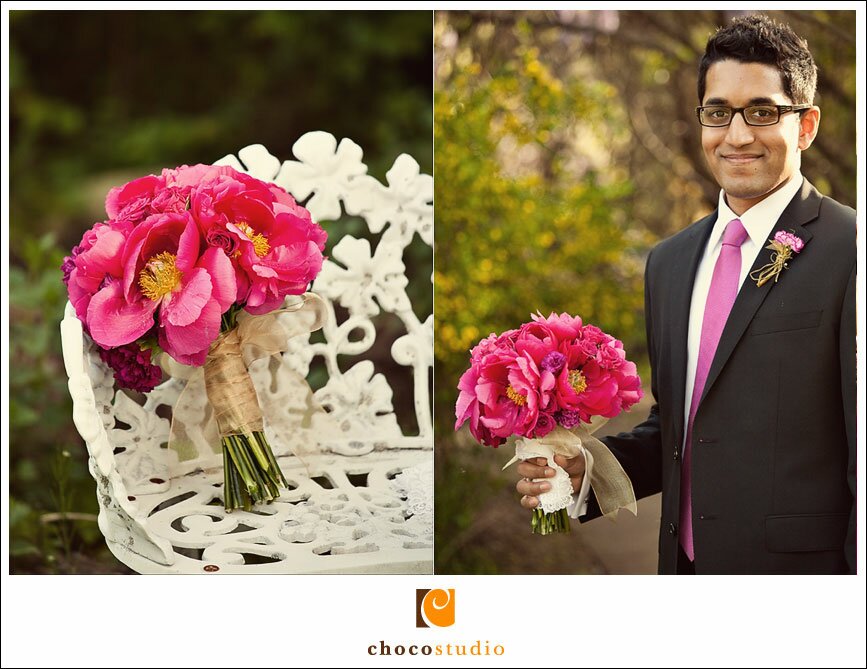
[784, 246]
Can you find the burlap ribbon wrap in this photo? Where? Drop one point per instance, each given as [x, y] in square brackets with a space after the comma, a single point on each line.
[611, 485]
[220, 399]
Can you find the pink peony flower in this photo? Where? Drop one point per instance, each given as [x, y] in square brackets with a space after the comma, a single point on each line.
[170, 200]
[564, 326]
[492, 343]
[94, 264]
[534, 387]
[611, 355]
[608, 392]
[164, 276]
[537, 340]
[273, 244]
[287, 268]
[132, 201]
[593, 334]
[486, 398]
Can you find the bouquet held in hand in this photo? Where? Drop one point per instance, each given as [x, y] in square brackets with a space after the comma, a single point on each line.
[551, 382]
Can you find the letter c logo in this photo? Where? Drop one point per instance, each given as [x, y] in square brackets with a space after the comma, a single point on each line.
[435, 608]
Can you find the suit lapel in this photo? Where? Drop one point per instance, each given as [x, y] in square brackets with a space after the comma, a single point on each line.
[694, 243]
[803, 209]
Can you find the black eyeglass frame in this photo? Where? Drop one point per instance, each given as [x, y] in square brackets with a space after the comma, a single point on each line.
[781, 109]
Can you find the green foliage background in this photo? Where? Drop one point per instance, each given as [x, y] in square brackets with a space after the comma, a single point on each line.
[98, 98]
[566, 146]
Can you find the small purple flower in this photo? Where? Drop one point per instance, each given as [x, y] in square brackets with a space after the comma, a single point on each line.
[132, 367]
[567, 419]
[553, 362]
[69, 263]
[788, 239]
[67, 267]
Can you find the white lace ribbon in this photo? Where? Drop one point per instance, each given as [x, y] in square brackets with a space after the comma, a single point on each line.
[611, 485]
[560, 494]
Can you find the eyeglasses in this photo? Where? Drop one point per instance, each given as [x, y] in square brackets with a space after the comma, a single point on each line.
[719, 116]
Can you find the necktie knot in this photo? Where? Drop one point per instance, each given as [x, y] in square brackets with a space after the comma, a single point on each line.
[735, 233]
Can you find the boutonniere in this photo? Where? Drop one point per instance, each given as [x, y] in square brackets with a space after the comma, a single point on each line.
[784, 246]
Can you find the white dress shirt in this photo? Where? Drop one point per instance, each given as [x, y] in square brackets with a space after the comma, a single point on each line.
[759, 220]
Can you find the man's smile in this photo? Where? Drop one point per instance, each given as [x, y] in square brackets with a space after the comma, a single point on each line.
[741, 158]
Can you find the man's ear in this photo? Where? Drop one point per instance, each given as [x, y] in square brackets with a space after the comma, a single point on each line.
[809, 127]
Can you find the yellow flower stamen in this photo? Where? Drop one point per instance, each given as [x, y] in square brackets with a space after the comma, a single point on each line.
[159, 277]
[577, 381]
[260, 241]
[515, 396]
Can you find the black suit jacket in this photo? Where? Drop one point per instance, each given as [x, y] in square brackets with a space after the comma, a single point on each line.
[774, 444]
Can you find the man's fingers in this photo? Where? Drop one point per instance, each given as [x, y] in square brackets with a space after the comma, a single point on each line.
[529, 502]
[531, 471]
[576, 482]
[573, 466]
[529, 487]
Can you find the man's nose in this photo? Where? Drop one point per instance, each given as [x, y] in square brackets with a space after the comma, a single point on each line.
[739, 133]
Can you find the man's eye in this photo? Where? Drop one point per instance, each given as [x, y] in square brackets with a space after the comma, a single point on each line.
[762, 112]
[719, 113]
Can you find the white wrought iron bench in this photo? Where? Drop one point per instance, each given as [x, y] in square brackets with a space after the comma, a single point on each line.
[366, 504]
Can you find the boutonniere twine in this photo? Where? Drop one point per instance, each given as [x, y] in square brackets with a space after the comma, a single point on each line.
[784, 246]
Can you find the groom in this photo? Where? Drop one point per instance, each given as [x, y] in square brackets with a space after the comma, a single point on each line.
[752, 439]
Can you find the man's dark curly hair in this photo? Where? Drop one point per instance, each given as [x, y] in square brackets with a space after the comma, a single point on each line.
[759, 39]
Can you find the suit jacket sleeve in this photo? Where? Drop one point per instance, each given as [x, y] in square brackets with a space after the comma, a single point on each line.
[639, 451]
[849, 391]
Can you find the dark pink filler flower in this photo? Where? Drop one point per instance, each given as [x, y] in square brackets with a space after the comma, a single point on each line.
[132, 367]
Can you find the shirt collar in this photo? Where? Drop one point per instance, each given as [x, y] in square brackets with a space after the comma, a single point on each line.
[759, 219]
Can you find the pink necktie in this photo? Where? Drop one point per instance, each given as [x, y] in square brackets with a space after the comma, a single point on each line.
[720, 298]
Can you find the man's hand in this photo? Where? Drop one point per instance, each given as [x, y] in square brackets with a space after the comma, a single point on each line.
[536, 468]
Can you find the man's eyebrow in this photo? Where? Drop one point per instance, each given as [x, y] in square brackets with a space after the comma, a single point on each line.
[752, 101]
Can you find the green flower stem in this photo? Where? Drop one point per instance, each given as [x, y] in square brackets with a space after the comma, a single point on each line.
[280, 480]
[236, 493]
[263, 472]
[228, 496]
[242, 497]
[261, 493]
[244, 454]
[258, 452]
[549, 523]
[251, 474]
[241, 465]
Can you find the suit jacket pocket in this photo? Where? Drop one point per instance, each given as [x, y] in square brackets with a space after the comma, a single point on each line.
[807, 532]
[783, 322]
